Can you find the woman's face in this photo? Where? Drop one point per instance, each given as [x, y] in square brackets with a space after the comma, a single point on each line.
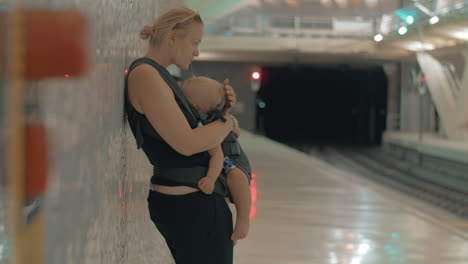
[186, 45]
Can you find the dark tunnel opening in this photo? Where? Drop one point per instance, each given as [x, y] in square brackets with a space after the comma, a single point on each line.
[316, 105]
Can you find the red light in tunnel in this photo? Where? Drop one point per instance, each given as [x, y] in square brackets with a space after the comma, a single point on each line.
[255, 75]
[67, 76]
[126, 71]
[423, 79]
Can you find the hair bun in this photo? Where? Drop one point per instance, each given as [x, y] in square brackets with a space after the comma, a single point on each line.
[147, 32]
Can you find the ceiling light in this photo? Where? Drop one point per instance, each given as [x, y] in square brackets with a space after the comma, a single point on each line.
[410, 20]
[434, 20]
[402, 30]
[378, 37]
[418, 46]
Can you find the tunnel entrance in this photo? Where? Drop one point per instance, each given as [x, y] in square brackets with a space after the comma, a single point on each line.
[323, 105]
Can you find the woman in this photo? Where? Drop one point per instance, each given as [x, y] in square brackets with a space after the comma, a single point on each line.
[197, 227]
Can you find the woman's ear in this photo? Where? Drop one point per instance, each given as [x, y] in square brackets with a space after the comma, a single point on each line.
[172, 38]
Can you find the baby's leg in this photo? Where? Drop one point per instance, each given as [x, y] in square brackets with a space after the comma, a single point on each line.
[240, 191]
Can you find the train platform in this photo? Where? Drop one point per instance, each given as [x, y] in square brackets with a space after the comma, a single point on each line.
[307, 211]
[430, 144]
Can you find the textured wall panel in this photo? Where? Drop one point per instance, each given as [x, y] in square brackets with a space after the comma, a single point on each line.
[3, 150]
[95, 206]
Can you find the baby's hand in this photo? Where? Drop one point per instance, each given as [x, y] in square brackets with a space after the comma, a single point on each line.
[206, 185]
[230, 96]
[236, 129]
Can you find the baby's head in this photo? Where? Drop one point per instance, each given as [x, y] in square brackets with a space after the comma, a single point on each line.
[204, 94]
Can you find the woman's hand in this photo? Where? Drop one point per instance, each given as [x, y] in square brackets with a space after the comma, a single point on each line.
[230, 96]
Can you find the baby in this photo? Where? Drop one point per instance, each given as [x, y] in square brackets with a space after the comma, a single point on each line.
[207, 97]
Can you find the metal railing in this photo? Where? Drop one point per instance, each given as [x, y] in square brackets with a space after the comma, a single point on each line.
[342, 27]
[295, 26]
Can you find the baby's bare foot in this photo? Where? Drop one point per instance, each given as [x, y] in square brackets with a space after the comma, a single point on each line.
[241, 229]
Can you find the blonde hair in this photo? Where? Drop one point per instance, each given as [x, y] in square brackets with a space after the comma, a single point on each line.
[173, 19]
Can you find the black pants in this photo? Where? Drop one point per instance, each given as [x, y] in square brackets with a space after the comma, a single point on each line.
[197, 227]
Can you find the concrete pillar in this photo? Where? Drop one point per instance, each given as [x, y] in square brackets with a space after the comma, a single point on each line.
[392, 71]
[409, 101]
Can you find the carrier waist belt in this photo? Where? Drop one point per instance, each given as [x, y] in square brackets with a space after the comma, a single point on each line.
[189, 177]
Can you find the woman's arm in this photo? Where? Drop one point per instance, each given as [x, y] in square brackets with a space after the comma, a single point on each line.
[150, 95]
